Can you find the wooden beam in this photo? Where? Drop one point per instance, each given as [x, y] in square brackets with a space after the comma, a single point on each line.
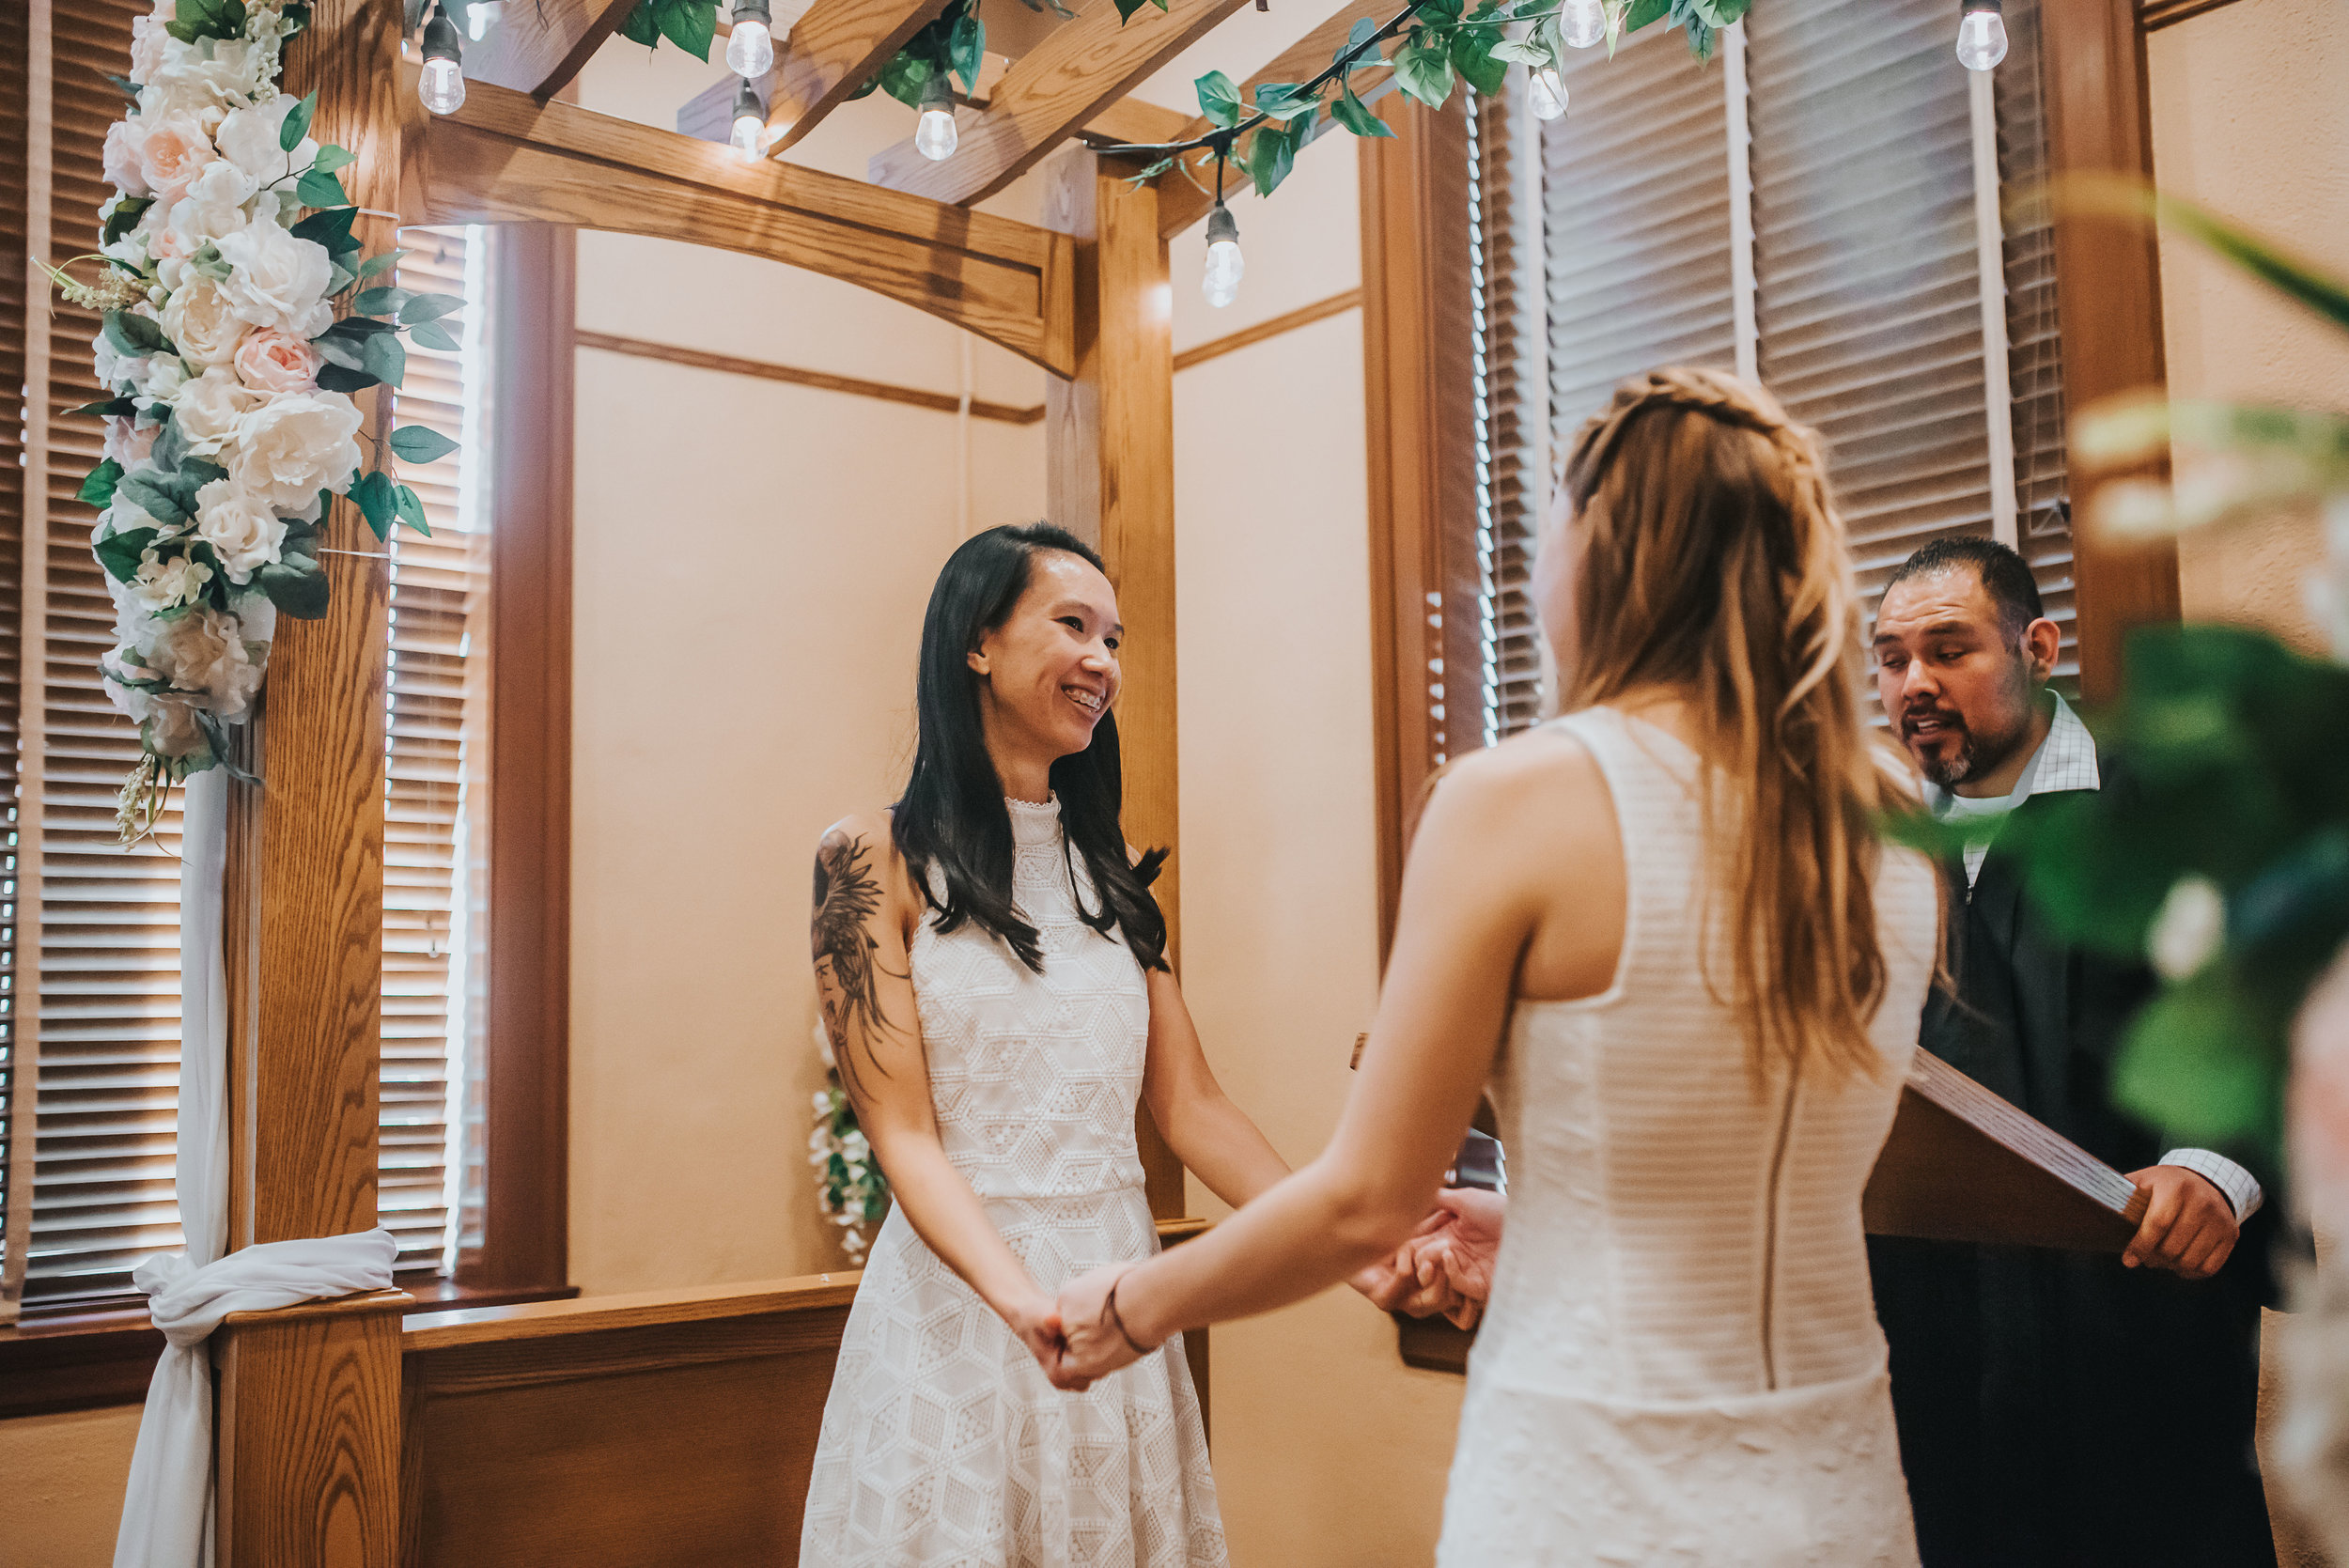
[503, 158]
[708, 116]
[540, 45]
[821, 380]
[1085, 65]
[1109, 478]
[832, 52]
[2107, 307]
[307, 1426]
[1303, 316]
[1181, 203]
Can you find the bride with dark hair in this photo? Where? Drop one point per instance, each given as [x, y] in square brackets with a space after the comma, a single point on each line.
[992, 971]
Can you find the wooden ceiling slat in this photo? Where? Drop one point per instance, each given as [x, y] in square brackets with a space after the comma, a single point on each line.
[540, 45]
[1080, 69]
[1182, 204]
[832, 52]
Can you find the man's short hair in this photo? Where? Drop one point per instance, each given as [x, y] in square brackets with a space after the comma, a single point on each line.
[2004, 575]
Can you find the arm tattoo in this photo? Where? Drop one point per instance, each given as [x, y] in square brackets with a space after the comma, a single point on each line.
[847, 972]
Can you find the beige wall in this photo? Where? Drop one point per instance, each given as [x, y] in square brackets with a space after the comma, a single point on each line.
[61, 1480]
[1329, 1452]
[2251, 113]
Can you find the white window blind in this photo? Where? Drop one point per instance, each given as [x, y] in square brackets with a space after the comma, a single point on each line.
[91, 1025]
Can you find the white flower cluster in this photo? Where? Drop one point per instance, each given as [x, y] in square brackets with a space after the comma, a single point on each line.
[231, 299]
[848, 1182]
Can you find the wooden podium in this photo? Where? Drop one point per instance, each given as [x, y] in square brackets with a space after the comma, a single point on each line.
[1961, 1164]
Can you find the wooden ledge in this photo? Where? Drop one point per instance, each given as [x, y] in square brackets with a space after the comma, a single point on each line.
[599, 1314]
[366, 1303]
[1175, 1232]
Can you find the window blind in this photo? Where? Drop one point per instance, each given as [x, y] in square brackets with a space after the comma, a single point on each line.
[435, 841]
[107, 978]
[15, 115]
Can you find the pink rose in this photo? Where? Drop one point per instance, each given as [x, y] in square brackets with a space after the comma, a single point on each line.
[273, 361]
[125, 140]
[175, 152]
[129, 444]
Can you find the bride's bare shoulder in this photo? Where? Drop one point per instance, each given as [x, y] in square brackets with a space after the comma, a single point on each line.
[1539, 792]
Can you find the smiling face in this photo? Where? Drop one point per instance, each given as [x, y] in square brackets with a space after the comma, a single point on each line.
[1960, 689]
[1049, 671]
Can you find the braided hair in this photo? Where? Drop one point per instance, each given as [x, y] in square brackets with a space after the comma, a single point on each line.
[1714, 565]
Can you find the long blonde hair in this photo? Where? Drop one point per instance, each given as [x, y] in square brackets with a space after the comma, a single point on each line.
[1714, 563]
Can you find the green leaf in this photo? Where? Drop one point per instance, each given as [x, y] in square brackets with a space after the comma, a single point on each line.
[1351, 113]
[904, 77]
[206, 262]
[420, 443]
[1285, 100]
[1424, 73]
[320, 190]
[1269, 158]
[1644, 11]
[640, 27]
[133, 334]
[1722, 13]
[151, 493]
[380, 302]
[385, 358]
[120, 553]
[1219, 101]
[107, 408]
[297, 585]
[1438, 13]
[691, 25]
[207, 19]
[343, 379]
[2326, 296]
[98, 488]
[297, 15]
[1507, 51]
[2202, 1063]
[372, 495]
[431, 335]
[1478, 65]
[375, 264]
[1126, 9]
[297, 124]
[127, 213]
[124, 85]
[429, 307]
[410, 510]
[967, 48]
[332, 157]
[1362, 33]
[170, 448]
[329, 227]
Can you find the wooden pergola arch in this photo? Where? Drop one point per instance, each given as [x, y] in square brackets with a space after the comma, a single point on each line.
[687, 1420]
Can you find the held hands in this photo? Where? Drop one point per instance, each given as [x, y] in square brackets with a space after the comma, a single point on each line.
[2190, 1227]
[1091, 1342]
[1447, 1265]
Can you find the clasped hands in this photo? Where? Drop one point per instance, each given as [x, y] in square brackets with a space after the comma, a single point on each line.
[1445, 1266]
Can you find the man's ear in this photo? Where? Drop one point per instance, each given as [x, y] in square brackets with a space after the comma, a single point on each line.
[2043, 643]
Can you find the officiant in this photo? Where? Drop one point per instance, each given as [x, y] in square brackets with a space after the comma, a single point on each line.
[2055, 1409]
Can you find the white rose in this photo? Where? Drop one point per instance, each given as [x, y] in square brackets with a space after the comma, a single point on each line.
[204, 651]
[275, 280]
[129, 443]
[173, 151]
[205, 79]
[295, 446]
[161, 584]
[248, 138]
[201, 321]
[214, 204]
[158, 377]
[112, 367]
[209, 408]
[243, 531]
[2190, 929]
[126, 139]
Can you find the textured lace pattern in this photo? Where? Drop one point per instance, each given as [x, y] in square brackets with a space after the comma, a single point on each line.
[943, 1445]
[1681, 1362]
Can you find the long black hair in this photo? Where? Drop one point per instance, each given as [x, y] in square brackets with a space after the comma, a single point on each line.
[953, 811]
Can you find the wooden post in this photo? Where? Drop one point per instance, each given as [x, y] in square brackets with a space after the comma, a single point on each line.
[1109, 457]
[2107, 304]
[309, 1400]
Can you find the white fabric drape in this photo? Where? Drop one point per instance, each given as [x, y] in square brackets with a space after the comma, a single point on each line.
[167, 1511]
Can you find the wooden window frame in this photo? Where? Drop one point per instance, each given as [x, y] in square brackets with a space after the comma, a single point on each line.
[76, 1360]
[1421, 420]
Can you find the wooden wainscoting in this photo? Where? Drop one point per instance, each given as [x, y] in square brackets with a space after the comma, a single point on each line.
[673, 1427]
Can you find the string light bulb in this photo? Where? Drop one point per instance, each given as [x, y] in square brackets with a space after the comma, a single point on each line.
[443, 85]
[750, 121]
[1583, 23]
[934, 135]
[751, 47]
[1220, 283]
[1981, 35]
[1546, 92]
[482, 16]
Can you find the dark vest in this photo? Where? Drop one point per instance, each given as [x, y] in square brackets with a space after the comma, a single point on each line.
[2056, 1409]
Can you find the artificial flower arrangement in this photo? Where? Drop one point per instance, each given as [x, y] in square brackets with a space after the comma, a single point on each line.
[848, 1180]
[229, 419]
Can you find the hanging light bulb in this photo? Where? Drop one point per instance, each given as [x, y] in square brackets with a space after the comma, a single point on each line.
[1546, 92]
[482, 16]
[1583, 23]
[1981, 35]
[442, 88]
[750, 121]
[934, 136]
[751, 47]
[1220, 283]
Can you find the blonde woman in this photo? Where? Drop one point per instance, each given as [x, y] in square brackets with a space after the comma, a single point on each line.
[1662, 929]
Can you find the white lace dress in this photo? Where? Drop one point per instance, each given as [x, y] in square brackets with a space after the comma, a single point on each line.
[1681, 1366]
[942, 1444]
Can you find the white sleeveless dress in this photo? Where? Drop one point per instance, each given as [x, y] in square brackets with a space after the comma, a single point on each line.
[1681, 1364]
[943, 1445]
